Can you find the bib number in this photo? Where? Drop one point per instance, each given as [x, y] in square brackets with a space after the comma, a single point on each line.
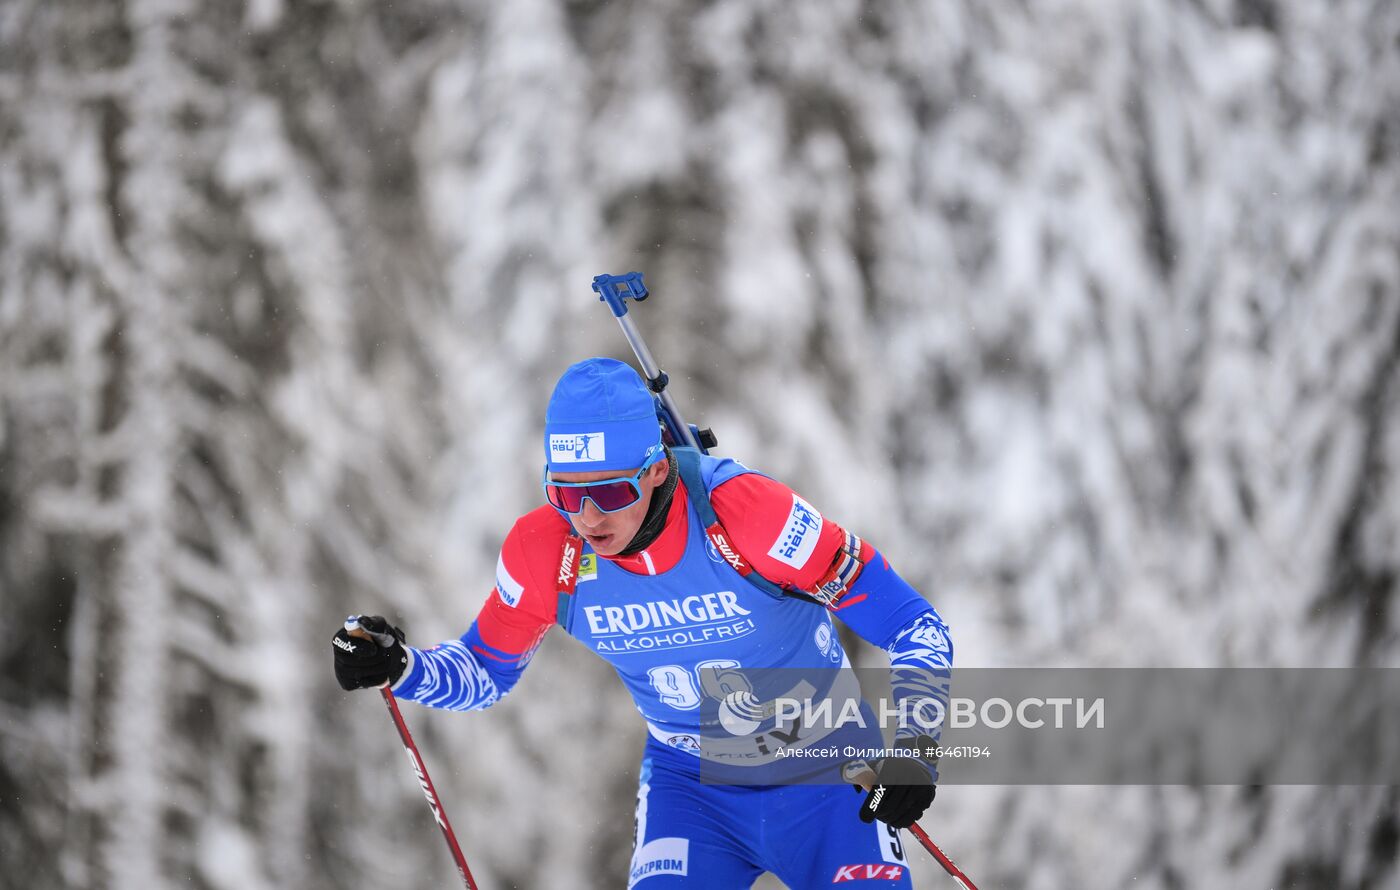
[684, 689]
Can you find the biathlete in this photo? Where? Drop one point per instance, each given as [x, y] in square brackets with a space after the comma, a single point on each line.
[693, 576]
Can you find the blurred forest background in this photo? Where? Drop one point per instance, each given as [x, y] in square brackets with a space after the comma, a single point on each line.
[1087, 313]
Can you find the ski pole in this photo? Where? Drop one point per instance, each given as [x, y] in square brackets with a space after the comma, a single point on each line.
[615, 290]
[859, 772]
[353, 628]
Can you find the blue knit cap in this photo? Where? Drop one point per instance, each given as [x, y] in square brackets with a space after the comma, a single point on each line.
[600, 417]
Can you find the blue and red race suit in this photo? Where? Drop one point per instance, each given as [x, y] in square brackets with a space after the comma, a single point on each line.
[674, 616]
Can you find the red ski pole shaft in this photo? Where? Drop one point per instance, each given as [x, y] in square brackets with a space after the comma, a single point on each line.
[953, 871]
[439, 814]
[424, 782]
[861, 774]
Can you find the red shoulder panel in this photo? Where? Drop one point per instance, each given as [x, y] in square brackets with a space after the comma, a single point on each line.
[521, 608]
[778, 532]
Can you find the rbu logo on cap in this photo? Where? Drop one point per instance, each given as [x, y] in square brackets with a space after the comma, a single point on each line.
[577, 448]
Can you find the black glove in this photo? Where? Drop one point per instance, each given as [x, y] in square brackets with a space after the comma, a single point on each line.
[361, 663]
[903, 790]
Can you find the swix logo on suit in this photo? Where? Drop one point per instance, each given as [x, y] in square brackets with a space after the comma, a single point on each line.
[668, 624]
[566, 563]
[718, 543]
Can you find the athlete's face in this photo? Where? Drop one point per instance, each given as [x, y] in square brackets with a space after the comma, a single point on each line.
[609, 533]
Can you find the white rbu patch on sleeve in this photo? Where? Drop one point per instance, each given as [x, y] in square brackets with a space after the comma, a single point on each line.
[577, 448]
[799, 537]
[507, 587]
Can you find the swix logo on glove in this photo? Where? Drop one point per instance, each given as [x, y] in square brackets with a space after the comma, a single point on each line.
[875, 798]
[577, 448]
[868, 873]
[343, 644]
[799, 537]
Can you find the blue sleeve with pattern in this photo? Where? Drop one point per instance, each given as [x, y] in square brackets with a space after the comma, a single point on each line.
[459, 675]
[883, 609]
